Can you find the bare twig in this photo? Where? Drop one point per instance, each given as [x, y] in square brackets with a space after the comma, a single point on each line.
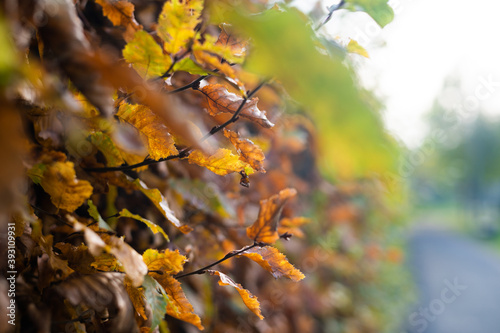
[328, 17]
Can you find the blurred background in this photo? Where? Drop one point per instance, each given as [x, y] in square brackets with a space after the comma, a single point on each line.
[435, 66]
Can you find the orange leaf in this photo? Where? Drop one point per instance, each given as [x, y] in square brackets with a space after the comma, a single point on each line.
[292, 225]
[179, 306]
[120, 12]
[160, 143]
[274, 262]
[223, 162]
[137, 297]
[264, 228]
[248, 151]
[250, 300]
[220, 100]
[229, 41]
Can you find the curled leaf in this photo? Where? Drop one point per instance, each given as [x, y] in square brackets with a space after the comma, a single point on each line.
[250, 300]
[264, 229]
[248, 151]
[222, 162]
[274, 262]
[220, 100]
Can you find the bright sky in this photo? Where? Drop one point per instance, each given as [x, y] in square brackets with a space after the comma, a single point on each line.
[427, 42]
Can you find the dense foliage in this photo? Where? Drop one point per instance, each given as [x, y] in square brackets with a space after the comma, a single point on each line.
[146, 188]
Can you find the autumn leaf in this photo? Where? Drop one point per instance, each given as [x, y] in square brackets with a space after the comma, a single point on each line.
[248, 151]
[59, 180]
[55, 267]
[234, 48]
[178, 305]
[354, 47]
[274, 262]
[162, 265]
[78, 257]
[160, 143]
[132, 262]
[154, 227]
[222, 162]
[120, 13]
[292, 226]
[177, 22]
[167, 262]
[107, 147]
[220, 100]
[146, 56]
[264, 229]
[250, 300]
[161, 203]
[137, 297]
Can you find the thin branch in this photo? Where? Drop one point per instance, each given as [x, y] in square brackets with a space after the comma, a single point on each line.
[185, 152]
[226, 257]
[331, 10]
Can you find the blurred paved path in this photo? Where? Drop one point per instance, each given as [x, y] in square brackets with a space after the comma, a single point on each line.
[458, 282]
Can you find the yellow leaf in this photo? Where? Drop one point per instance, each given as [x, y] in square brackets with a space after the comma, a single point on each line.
[65, 190]
[222, 162]
[220, 100]
[264, 228]
[154, 227]
[274, 262]
[106, 262]
[250, 300]
[248, 151]
[146, 56]
[160, 143]
[354, 47]
[168, 262]
[177, 23]
[161, 203]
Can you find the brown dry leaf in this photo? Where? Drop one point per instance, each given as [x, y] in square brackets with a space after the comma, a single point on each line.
[179, 307]
[120, 13]
[160, 142]
[274, 262]
[60, 269]
[292, 226]
[78, 257]
[161, 203]
[137, 297]
[220, 100]
[222, 162]
[250, 300]
[264, 229]
[248, 151]
[66, 192]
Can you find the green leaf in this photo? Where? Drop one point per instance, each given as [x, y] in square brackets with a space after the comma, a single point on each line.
[107, 147]
[157, 299]
[96, 216]
[146, 56]
[379, 10]
[36, 172]
[188, 65]
[353, 142]
[154, 227]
